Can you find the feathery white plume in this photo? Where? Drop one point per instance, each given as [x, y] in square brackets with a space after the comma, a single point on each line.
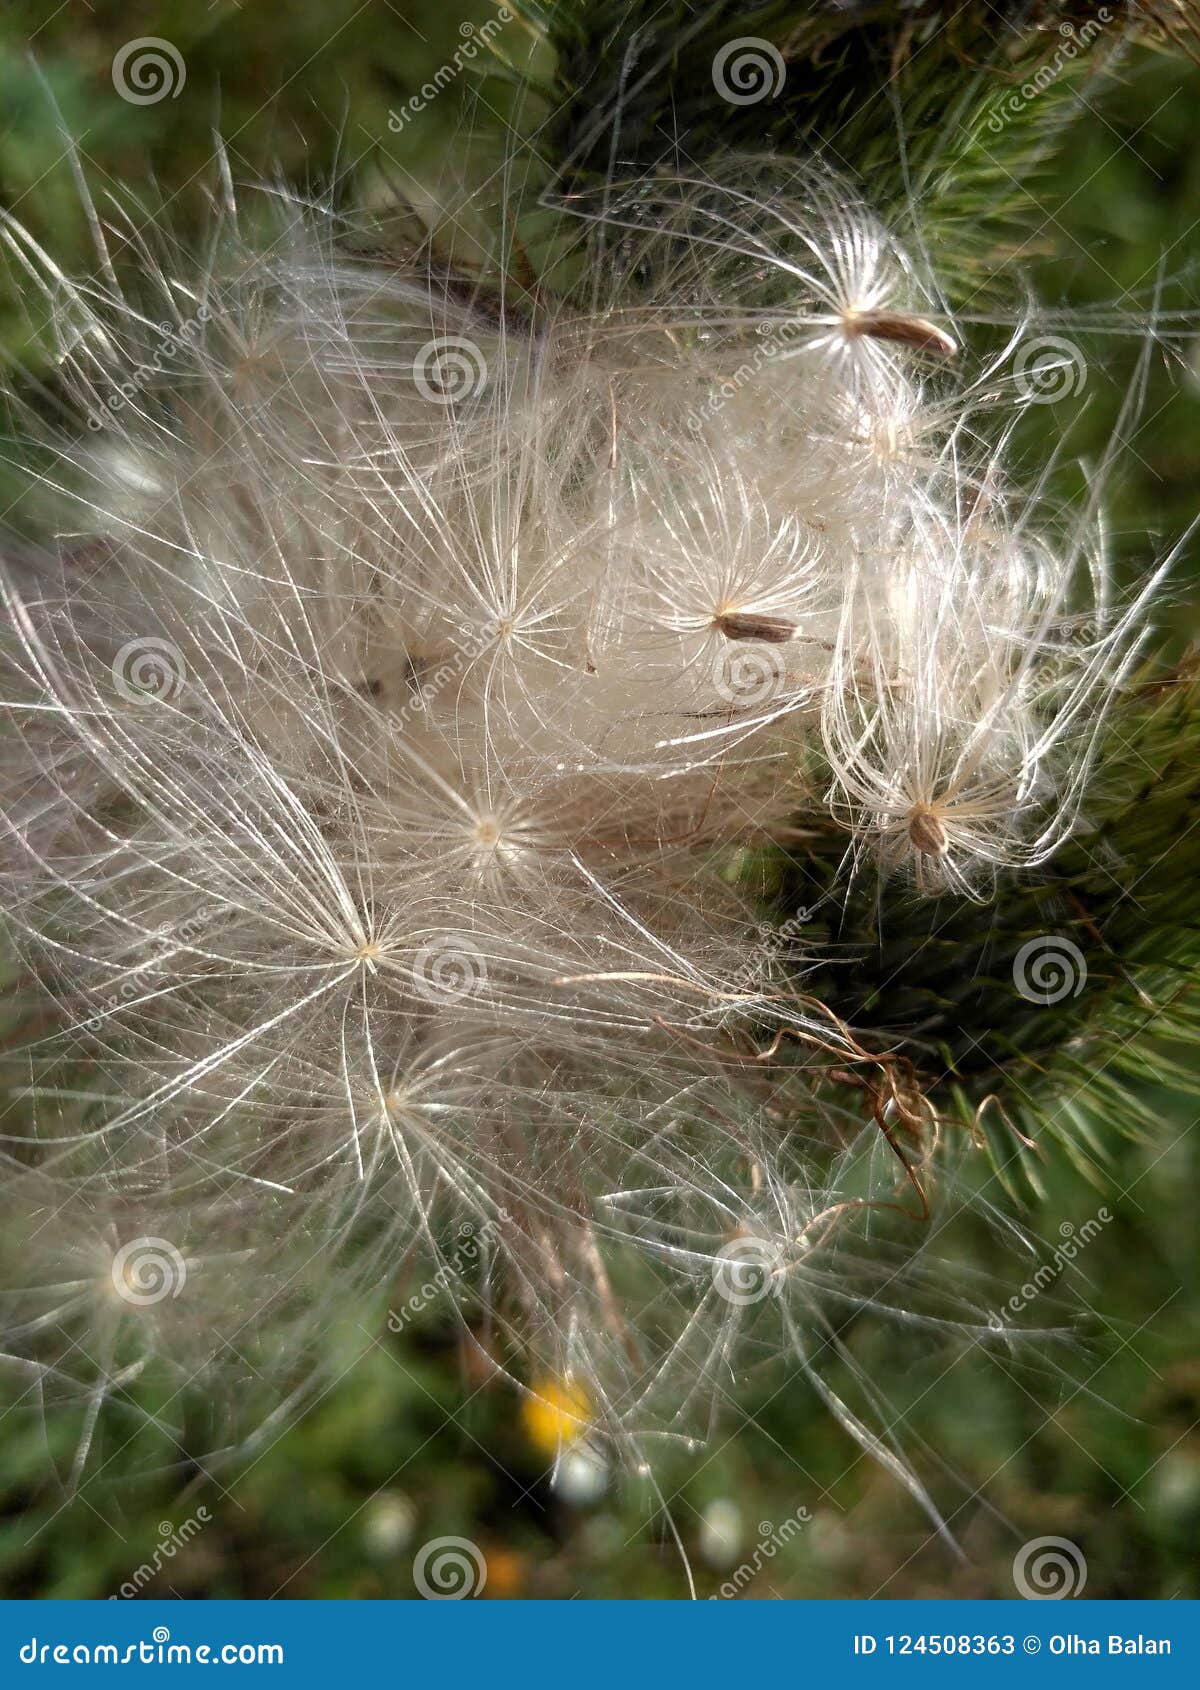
[383, 730]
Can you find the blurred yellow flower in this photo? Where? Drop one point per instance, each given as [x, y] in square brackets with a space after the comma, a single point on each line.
[555, 1414]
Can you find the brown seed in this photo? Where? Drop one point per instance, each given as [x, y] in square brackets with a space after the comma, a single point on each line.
[926, 831]
[745, 625]
[917, 332]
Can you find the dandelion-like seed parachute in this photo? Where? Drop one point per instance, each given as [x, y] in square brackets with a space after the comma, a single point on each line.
[384, 733]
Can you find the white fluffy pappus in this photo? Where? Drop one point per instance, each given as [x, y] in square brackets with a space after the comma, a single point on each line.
[385, 725]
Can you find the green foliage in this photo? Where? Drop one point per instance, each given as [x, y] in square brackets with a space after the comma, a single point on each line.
[1065, 1059]
[958, 110]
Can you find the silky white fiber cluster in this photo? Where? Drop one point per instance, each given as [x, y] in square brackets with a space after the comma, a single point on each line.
[416, 668]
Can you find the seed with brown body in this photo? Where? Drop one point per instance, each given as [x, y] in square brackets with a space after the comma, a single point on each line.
[746, 625]
[926, 831]
[917, 332]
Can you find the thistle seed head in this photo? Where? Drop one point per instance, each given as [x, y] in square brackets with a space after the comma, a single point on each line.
[390, 767]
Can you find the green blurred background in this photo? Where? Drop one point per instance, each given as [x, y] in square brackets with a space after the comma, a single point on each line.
[410, 1442]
